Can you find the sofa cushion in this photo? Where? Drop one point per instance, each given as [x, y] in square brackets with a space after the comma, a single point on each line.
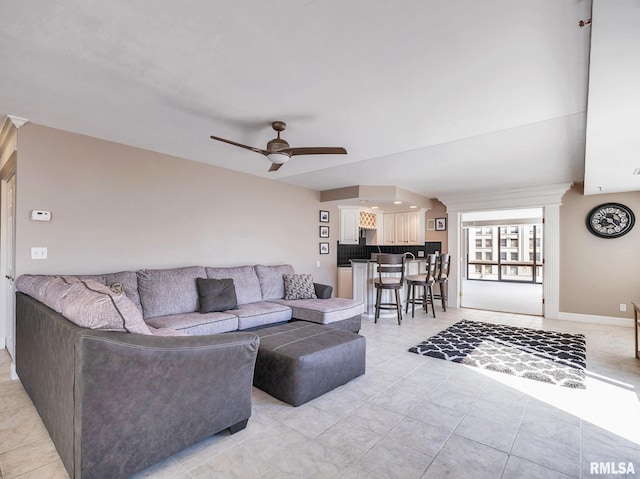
[299, 286]
[216, 295]
[35, 285]
[244, 279]
[93, 305]
[128, 279]
[261, 313]
[165, 332]
[323, 311]
[272, 280]
[196, 324]
[169, 291]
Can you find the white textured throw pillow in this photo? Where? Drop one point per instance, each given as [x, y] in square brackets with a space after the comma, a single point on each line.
[299, 286]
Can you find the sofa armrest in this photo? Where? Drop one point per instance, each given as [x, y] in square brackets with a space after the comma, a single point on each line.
[323, 291]
[157, 395]
[114, 403]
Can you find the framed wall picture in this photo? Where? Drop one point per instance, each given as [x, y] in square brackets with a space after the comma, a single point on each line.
[431, 224]
[441, 224]
[324, 216]
[324, 248]
[324, 231]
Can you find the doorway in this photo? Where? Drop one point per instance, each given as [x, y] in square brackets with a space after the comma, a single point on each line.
[503, 261]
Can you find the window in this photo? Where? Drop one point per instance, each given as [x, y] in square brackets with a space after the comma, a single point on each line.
[513, 229]
[503, 256]
[503, 242]
[514, 256]
[478, 256]
[488, 256]
[478, 231]
[488, 243]
[478, 269]
[514, 270]
[488, 269]
[514, 242]
[488, 231]
[530, 256]
[478, 243]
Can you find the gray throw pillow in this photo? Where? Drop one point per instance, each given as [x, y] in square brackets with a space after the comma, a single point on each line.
[216, 295]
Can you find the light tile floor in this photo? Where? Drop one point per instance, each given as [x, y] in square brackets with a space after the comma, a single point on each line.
[408, 417]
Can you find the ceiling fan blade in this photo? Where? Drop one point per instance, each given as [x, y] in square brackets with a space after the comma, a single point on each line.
[257, 150]
[275, 166]
[320, 150]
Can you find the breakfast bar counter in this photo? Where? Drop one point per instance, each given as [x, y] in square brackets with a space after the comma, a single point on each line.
[363, 273]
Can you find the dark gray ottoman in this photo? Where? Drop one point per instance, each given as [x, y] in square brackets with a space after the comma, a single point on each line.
[300, 361]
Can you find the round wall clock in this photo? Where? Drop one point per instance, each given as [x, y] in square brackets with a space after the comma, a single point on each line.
[610, 220]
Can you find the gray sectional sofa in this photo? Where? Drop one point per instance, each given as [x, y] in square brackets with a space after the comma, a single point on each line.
[115, 402]
[168, 299]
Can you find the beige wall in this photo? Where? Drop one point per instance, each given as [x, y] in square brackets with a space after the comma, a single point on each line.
[597, 274]
[438, 210]
[116, 208]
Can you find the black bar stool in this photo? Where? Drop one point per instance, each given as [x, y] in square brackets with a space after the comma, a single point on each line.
[442, 278]
[426, 282]
[389, 264]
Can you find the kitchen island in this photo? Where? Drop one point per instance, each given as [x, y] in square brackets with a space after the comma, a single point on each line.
[363, 273]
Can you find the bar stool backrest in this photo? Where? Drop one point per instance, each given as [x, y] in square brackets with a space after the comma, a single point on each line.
[432, 265]
[444, 261]
[391, 263]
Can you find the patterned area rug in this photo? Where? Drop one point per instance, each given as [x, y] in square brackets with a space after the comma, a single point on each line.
[547, 356]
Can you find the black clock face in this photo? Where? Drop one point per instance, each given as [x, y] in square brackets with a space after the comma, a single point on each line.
[610, 220]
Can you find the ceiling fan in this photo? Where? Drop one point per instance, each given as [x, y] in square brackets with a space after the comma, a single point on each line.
[278, 150]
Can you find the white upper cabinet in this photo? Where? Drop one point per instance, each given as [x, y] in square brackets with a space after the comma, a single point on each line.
[388, 228]
[405, 228]
[349, 222]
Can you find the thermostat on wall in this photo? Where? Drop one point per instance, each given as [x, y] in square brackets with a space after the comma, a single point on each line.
[40, 215]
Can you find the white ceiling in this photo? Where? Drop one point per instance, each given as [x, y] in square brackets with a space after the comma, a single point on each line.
[434, 96]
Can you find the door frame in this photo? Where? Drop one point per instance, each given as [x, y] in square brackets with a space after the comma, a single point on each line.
[8, 171]
[549, 198]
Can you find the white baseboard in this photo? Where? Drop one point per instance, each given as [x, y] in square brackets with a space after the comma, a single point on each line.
[13, 372]
[589, 318]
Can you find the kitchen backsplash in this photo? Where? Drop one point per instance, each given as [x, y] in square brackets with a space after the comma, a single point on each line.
[354, 251]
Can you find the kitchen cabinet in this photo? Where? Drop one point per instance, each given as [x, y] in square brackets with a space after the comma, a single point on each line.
[349, 222]
[406, 228]
[388, 228]
[345, 287]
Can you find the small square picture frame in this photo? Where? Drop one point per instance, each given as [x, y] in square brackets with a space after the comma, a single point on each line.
[324, 248]
[441, 224]
[324, 216]
[324, 231]
[431, 224]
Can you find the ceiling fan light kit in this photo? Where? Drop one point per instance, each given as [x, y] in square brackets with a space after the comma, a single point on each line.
[278, 150]
[278, 158]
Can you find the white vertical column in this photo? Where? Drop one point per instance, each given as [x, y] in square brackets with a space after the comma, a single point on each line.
[455, 250]
[551, 270]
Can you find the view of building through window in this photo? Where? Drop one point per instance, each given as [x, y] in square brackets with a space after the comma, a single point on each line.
[505, 253]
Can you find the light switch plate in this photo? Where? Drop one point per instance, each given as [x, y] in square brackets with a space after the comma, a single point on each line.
[39, 252]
